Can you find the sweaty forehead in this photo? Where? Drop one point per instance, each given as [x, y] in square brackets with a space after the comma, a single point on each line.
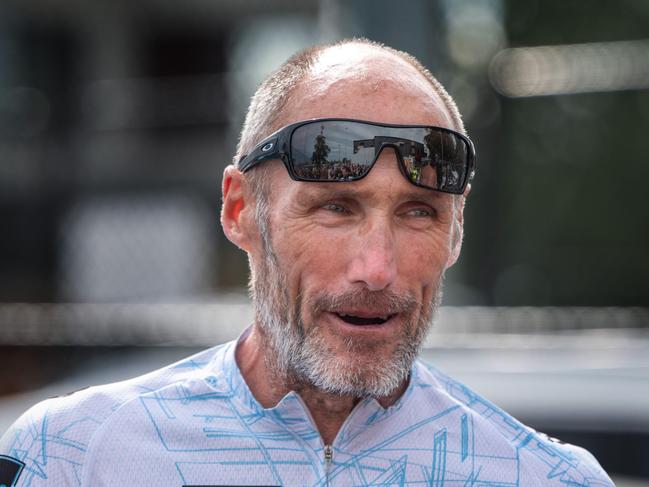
[365, 82]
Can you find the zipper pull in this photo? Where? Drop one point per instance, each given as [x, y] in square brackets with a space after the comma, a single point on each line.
[328, 454]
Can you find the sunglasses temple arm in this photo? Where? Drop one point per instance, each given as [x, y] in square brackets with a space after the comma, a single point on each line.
[267, 150]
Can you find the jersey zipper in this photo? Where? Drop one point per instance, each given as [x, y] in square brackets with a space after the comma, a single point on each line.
[328, 457]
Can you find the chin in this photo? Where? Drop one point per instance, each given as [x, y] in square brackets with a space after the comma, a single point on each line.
[355, 367]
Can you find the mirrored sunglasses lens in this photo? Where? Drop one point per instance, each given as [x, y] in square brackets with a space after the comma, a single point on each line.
[344, 151]
[330, 151]
[438, 161]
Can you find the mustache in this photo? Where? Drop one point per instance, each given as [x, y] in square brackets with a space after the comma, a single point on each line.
[383, 302]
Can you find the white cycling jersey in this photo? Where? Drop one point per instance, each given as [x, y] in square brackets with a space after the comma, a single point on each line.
[196, 423]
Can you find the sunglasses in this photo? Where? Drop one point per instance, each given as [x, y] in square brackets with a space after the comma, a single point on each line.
[335, 150]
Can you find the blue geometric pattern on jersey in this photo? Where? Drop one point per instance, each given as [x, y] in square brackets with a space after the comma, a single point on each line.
[197, 423]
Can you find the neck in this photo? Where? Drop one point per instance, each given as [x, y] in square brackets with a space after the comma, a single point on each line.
[255, 359]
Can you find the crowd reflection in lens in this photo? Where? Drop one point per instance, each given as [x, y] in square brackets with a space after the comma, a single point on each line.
[439, 161]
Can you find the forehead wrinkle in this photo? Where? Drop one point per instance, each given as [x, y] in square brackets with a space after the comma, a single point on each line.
[367, 192]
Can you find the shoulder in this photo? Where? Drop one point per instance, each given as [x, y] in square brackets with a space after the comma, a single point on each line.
[49, 444]
[539, 458]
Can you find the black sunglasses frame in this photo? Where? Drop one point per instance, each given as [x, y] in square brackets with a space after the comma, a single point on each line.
[278, 146]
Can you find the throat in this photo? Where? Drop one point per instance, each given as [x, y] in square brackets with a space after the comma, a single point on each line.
[329, 412]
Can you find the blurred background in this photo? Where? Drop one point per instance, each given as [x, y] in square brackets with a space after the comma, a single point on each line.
[117, 119]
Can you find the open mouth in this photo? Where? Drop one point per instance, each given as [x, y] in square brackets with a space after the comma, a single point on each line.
[363, 320]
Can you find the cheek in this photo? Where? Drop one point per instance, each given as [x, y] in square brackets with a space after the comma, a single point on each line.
[311, 257]
[423, 257]
[322, 258]
[313, 266]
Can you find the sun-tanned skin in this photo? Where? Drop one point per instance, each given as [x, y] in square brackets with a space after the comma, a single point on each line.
[379, 233]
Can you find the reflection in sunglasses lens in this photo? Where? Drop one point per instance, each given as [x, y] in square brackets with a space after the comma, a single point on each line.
[345, 151]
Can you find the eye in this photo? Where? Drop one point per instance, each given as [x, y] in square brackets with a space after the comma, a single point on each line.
[422, 212]
[335, 208]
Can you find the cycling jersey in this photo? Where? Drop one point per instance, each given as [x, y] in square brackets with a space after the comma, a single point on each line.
[196, 423]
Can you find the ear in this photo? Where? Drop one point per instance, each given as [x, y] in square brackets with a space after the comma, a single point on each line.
[458, 228]
[237, 212]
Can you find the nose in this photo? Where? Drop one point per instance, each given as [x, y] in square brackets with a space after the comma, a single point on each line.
[374, 264]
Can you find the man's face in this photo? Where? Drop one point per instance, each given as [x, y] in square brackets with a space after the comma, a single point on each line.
[348, 275]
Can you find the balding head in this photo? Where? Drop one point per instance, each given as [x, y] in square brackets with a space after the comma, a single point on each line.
[322, 70]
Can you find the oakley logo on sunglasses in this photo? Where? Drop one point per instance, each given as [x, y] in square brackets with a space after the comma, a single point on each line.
[337, 150]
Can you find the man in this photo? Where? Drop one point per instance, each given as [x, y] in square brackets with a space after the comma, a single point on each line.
[347, 195]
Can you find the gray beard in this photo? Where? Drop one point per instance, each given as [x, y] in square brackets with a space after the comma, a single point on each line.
[304, 359]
